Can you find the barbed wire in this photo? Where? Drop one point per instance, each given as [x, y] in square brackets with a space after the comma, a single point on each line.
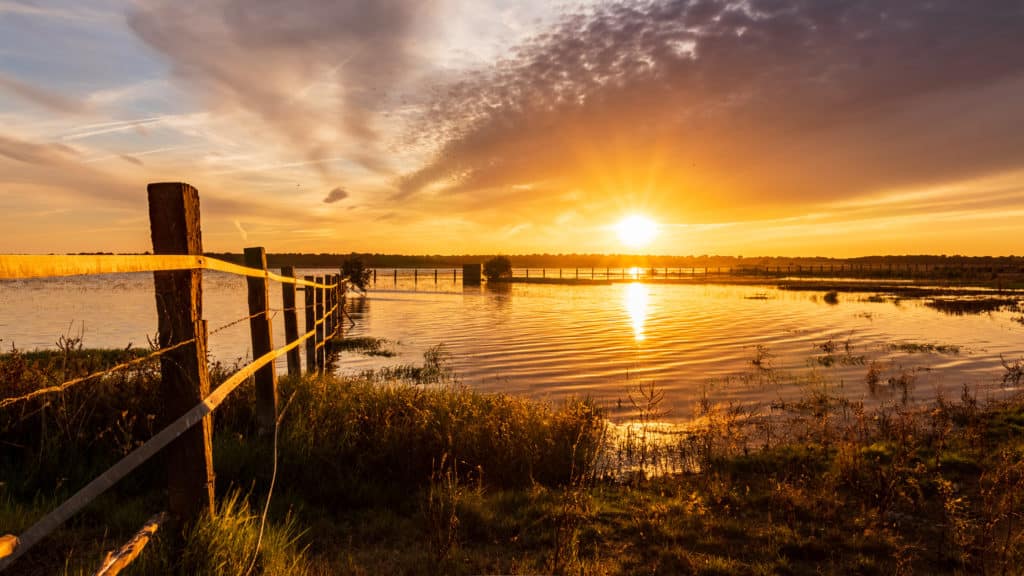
[75, 381]
[233, 323]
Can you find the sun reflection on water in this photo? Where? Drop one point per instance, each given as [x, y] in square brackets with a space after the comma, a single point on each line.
[636, 304]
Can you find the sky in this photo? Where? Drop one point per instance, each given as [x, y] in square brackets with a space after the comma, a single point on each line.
[752, 127]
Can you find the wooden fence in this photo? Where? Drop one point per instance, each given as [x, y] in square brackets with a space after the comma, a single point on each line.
[186, 400]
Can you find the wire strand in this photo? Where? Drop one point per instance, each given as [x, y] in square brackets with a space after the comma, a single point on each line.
[233, 323]
[64, 386]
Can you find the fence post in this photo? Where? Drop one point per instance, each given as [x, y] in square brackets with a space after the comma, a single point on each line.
[291, 321]
[310, 294]
[335, 293]
[339, 316]
[320, 326]
[260, 332]
[184, 378]
[334, 301]
[328, 318]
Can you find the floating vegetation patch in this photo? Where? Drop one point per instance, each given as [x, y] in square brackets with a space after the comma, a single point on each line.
[838, 353]
[829, 360]
[961, 306]
[436, 369]
[926, 348]
[1014, 372]
[901, 381]
[366, 345]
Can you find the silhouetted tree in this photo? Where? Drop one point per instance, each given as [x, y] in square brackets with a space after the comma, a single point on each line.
[498, 267]
[356, 272]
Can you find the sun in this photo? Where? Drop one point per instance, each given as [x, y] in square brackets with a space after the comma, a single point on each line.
[636, 230]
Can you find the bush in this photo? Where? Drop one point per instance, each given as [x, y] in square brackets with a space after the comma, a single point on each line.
[356, 272]
[498, 267]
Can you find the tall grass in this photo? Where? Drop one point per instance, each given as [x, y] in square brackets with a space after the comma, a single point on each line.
[399, 475]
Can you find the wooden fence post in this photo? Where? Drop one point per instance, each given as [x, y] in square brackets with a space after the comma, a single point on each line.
[184, 378]
[291, 321]
[260, 331]
[338, 300]
[335, 279]
[340, 314]
[320, 326]
[328, 318]
[334, 302]
[310, 294]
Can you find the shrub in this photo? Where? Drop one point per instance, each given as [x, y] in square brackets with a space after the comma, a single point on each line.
[498, 267]
[356, 272]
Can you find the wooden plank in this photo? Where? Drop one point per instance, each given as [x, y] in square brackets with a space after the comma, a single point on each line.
[261, 334]
[22, 266]
[185, 381]
[122, 557]
[19, 266]
[291, 322]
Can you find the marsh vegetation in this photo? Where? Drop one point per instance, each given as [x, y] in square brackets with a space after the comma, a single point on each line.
[412, 472]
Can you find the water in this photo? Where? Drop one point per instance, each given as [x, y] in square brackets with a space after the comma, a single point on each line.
[600, 341]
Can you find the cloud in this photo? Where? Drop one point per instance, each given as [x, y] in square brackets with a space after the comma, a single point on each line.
[241, 231]
[35, 153]
[335, 195]
[41, 97]
[314, 71]
[715, 105]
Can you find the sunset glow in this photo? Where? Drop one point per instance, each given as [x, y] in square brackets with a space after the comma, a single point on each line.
[406, 127]
[636, 231]
[602, 266]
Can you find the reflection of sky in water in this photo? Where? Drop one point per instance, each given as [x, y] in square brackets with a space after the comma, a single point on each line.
[550, 341]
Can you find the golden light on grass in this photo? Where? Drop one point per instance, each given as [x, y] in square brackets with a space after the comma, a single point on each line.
[636, 231]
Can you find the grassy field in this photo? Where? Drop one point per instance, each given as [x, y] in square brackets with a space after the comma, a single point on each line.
[409, 472]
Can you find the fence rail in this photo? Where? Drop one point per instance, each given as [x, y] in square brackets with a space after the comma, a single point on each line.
[186, 398]
[14, 267]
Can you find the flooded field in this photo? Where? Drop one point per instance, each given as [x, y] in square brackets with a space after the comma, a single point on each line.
[754, 344]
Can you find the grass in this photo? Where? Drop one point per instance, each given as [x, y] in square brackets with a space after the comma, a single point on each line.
[404, 476]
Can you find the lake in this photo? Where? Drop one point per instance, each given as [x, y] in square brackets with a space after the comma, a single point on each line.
[733, 343]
